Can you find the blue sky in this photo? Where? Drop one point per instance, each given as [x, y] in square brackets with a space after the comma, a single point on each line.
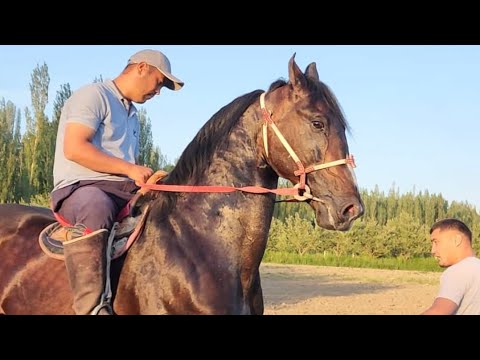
[414, 110]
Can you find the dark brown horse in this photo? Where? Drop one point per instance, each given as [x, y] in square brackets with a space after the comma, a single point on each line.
[200, 252]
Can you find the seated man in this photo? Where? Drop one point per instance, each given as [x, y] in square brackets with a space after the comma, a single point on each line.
[95, 170]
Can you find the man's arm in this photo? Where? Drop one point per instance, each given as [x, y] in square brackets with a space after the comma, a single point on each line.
[78, 148]
[441, 306]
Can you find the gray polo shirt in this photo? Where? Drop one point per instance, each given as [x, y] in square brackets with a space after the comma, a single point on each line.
[101, 107]
[460, 283]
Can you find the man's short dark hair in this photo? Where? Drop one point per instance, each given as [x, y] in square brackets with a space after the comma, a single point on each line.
[452, 224]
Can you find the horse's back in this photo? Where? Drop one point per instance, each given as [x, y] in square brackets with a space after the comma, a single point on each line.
[25, 271]
[20, 226]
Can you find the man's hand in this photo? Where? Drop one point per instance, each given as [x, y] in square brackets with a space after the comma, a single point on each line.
[154, 179]
[139, 174]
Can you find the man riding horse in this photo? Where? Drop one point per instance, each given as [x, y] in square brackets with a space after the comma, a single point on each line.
[95, 169]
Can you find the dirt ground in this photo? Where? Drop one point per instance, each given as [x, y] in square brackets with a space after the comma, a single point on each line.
[322, 290]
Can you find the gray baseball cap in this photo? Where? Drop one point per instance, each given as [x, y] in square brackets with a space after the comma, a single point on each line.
[161, 62]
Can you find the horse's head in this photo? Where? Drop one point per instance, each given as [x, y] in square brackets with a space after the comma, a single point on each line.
[308, 117]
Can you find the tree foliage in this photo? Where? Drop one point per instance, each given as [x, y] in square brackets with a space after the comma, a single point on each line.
[394, 225]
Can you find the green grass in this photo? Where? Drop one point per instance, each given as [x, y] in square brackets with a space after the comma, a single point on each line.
[415, 264]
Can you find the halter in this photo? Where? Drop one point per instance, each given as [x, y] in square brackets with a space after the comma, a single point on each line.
[302, 170]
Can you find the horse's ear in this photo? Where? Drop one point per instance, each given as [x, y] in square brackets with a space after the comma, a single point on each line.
[311, 72]
[295, 75]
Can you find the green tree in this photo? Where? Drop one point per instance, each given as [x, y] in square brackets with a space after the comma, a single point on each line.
[39, 173]
[296, 235]
[62, 95]
[9, 149]
[10, 190]
[149, 154]
[28, 142]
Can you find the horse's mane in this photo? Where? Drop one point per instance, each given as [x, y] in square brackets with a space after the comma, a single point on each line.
[320, 92]
[327, 96]
[197, 155]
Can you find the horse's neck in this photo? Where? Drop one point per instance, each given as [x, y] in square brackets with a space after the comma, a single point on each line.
[247, 216]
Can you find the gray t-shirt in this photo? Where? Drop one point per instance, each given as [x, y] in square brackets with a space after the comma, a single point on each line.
[101, 107]
[461, 284]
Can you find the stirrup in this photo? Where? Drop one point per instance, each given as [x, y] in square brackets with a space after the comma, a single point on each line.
[101, 306]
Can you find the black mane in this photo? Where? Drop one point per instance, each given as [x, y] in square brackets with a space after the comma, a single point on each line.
[320, 92]
[197, 155]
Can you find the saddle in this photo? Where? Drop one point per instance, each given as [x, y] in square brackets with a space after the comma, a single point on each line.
[125, 230]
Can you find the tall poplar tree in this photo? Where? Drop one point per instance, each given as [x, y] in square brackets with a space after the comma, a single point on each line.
[38, 172]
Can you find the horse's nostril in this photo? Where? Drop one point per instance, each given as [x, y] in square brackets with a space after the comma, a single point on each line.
[352, 211]
[348, 211]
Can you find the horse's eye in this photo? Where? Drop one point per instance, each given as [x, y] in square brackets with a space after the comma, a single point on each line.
[317, 124]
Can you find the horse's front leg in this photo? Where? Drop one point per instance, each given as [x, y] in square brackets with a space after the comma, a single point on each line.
[256, 301]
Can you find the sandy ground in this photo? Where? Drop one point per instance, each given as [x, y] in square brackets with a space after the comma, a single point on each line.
[321, 290]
